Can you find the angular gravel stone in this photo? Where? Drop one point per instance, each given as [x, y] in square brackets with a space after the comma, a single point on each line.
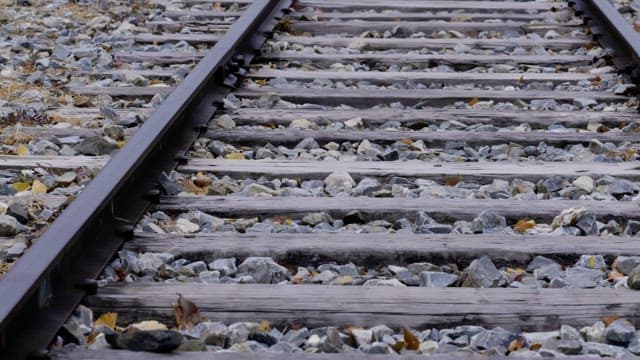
[437, 279]
[154, 341]
[634, 279]
[481, 273]
[583, 278]
[620, 332]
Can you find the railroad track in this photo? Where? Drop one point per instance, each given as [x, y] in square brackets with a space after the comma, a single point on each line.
[416, 177]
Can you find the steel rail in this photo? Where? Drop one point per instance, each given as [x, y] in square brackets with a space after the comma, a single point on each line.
[611, 30]
[46, 284]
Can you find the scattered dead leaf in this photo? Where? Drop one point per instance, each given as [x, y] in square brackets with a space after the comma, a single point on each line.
[524, 225]
[262, 82]
[234, 156]
[265, 326]
[22, 150]
[186, 313]
[474, 101]
[535, 346]
[38, 188]
[452, 180]
[411, 340]
[202, 180]
[82, 101]
[398, 346]
[191, 187]
[608, 319]
[516, 344]
[614, 275]
[107, 319]
[20, 186]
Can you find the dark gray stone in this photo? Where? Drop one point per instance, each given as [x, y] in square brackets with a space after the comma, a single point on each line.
[154, 341]
[332, 342]
[620, 332]
[8, 225]
[626, 264]
[19, 212]
[634, 279]
[95, 145]
[587, 223]
[263, 337]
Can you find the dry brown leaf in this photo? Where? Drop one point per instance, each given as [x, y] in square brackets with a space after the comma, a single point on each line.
[82, 101]
[608, 319]
[614, 275]
[474, 101]
[411, 340]
[398, 346]
[202, 180]
[452, 180]
[516, 344]
[186, 313]
[535, 346]
[524, 225]
[262, 82]
[406, 141]
[107, 319]
[521, 80]
[189, 186]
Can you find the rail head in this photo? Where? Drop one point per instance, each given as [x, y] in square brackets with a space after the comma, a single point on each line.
[47, 283]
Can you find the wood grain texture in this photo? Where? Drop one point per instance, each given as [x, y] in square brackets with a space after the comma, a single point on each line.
[447, 210]
[428, 43]
[51, 162]
[482, 172]
[430, 115]
[431, 138]
[125, 91]
[365, 98]
[420, 6]
[374, 250]
[159, 57]
[418, 16]
[355, 27]
[379, 77]
[459, 61]
[318, 305]
[175, 37]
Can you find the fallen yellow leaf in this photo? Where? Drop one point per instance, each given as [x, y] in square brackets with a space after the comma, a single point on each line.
[20, 186]
[524, 225]
[38, 188]
[22, 150]
[473, 101]
[107, 319]
[264, 326]
[234, 156]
